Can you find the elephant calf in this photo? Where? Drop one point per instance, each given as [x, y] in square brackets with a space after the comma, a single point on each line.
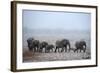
[49, 47]
[36, 45]
[42, 45]
[80, 45]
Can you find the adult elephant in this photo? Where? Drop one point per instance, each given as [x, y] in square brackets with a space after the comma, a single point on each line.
[33, 44]
[49, 48]
[42, 46]
[63, 44]
[30, 43]
[36, 45]
[80, 45]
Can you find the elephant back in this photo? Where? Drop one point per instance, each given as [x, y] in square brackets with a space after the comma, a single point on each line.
[58, 43]
[50, 46]
[82, 43]
[65, 42]
[36, 42]
[43, 44]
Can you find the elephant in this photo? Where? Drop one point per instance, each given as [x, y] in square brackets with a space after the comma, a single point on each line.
[63, 44]
[42, 45]
[36, 45]
[80, 45]
[49, 47]
[33, 44]
[29, 42]
[58, 45]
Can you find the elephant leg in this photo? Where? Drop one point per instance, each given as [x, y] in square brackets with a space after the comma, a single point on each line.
[84, 50]
[80, 50]
[46, 51]
[40, 50]
[56, 49]
[52, 49]
[35, 49]
[69, 48]
[62, 50]
[49, 50]
[66, 49]
[76, 50]
[30, 49]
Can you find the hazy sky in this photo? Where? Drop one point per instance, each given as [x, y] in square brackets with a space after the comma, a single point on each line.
[56, 20]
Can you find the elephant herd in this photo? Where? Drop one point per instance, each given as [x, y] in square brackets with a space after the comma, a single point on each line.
[60, 46]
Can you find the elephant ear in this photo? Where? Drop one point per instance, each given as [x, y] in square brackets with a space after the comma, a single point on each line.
[83, 42]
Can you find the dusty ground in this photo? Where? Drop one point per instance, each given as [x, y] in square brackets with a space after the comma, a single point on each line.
[39, 57]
